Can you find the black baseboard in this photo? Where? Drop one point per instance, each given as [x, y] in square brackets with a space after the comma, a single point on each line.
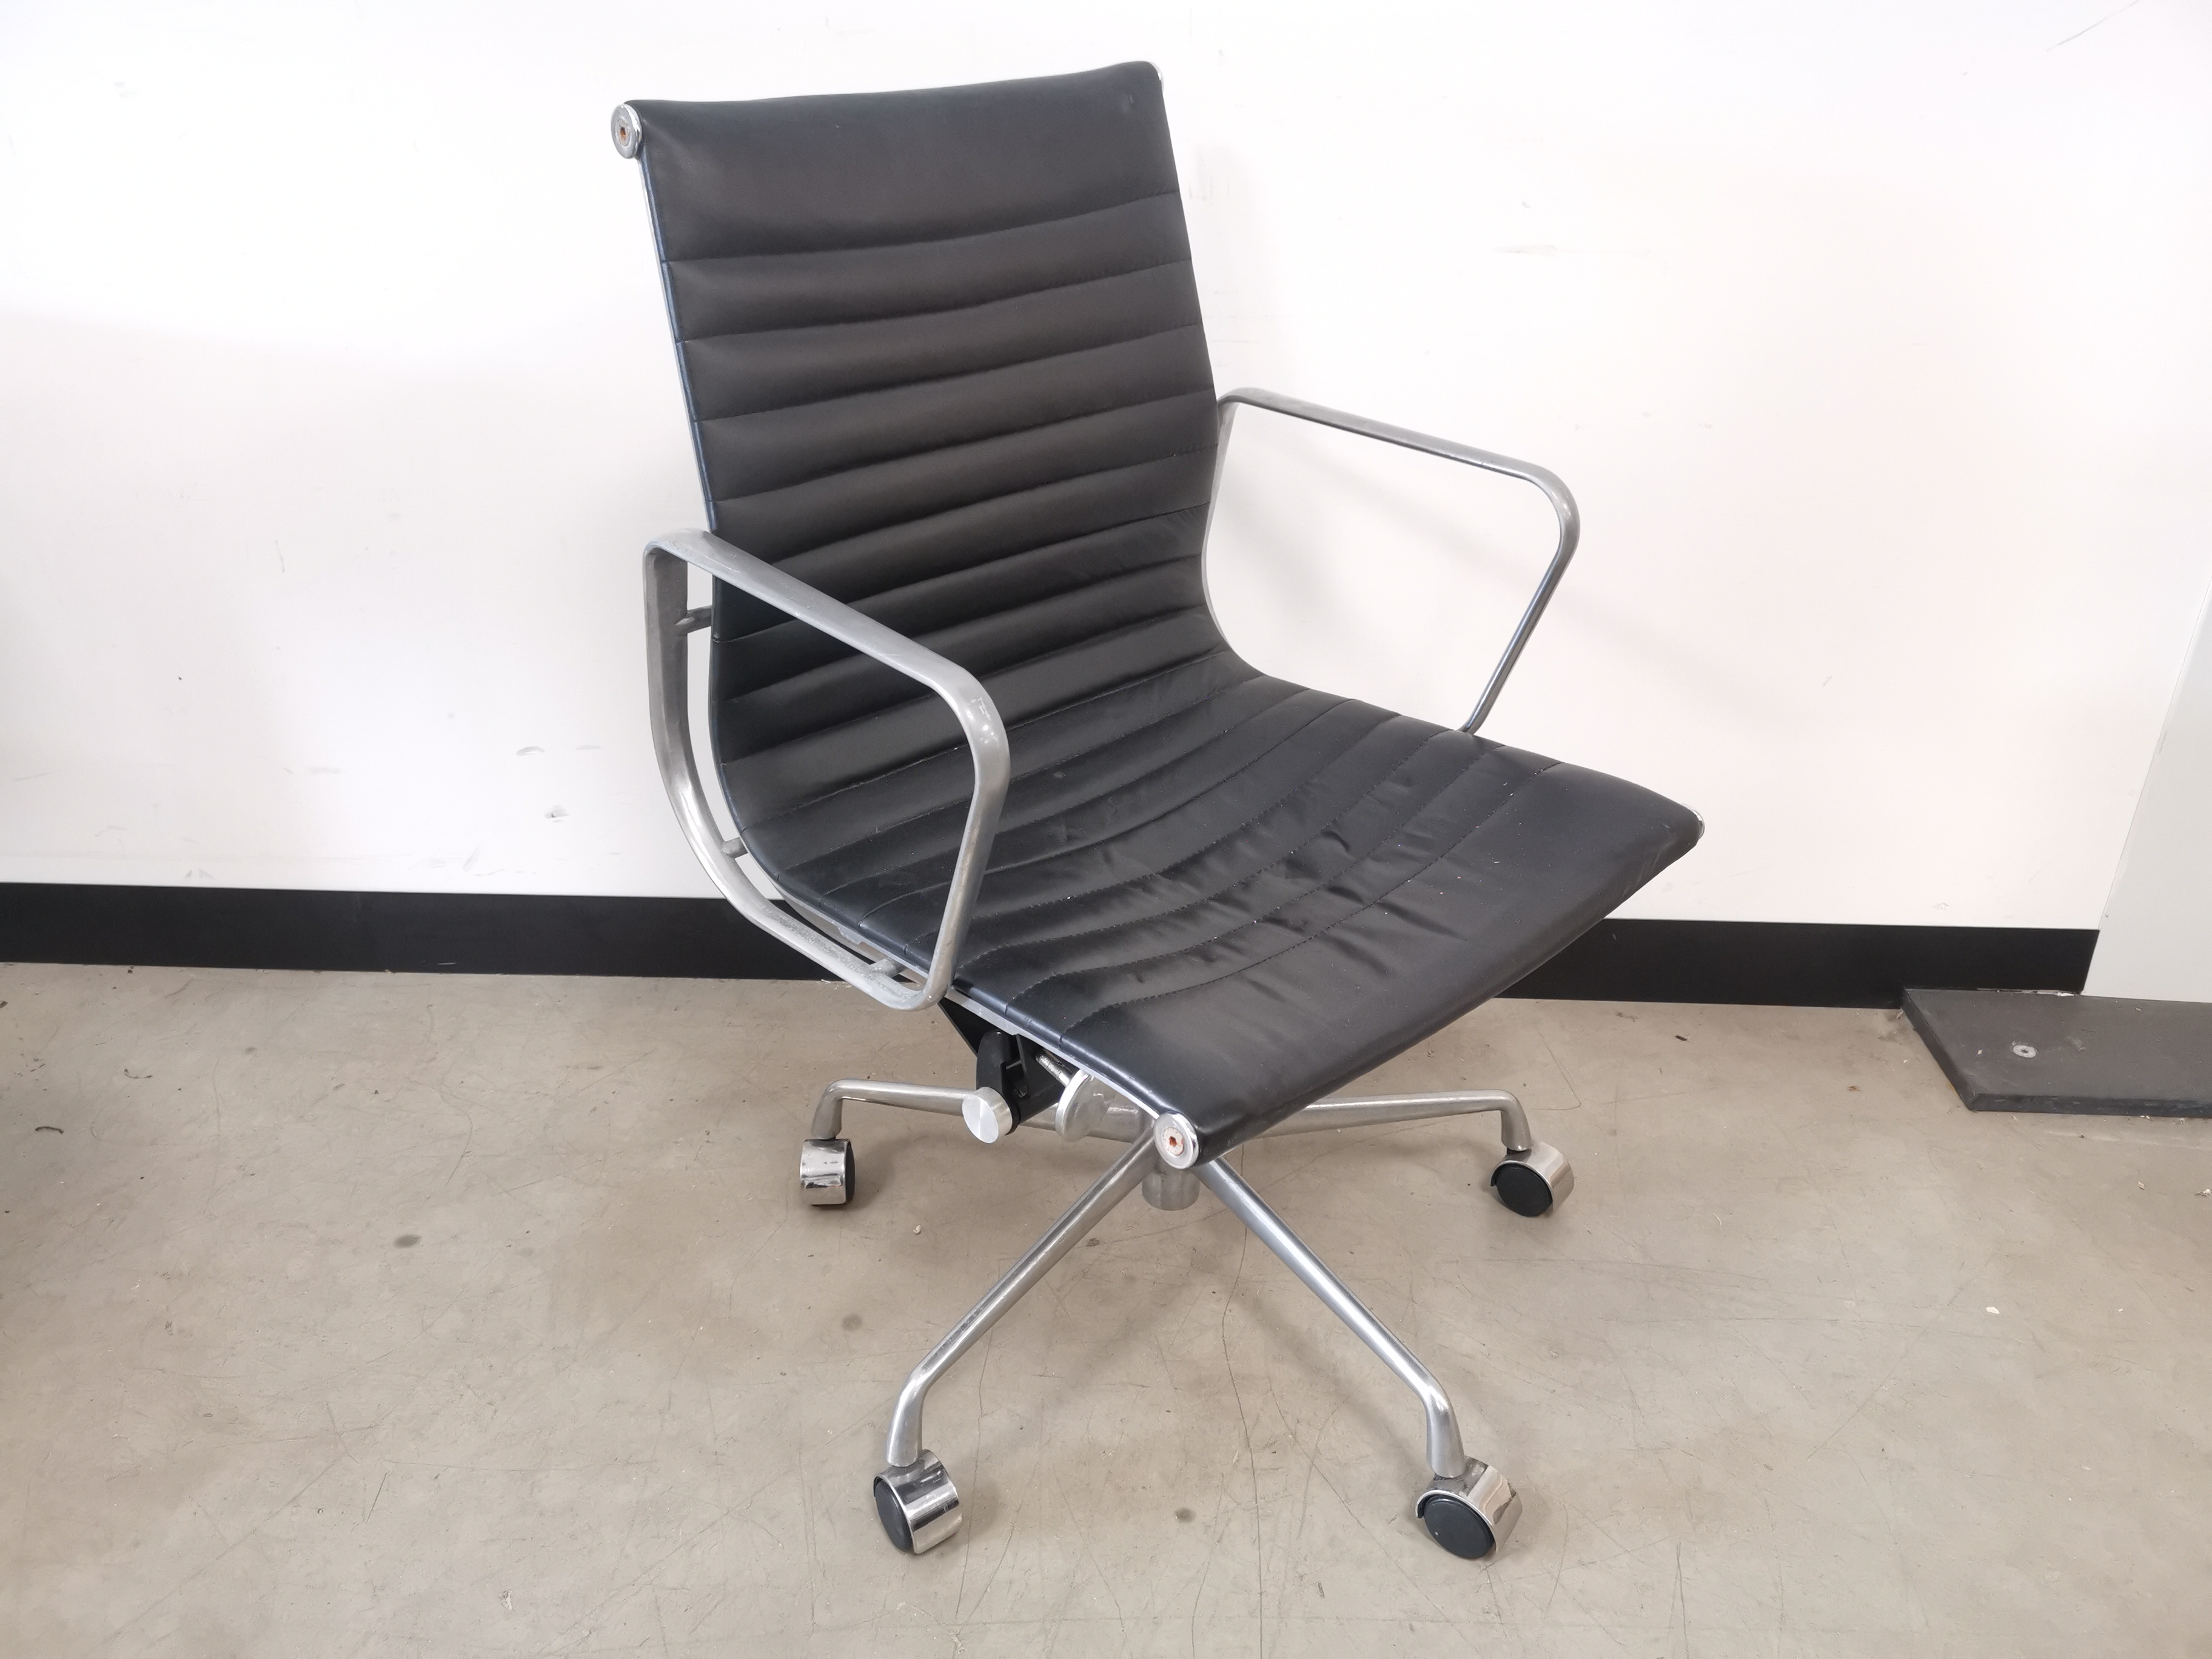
[389, 932]
[1818, 965]
[1808, 964]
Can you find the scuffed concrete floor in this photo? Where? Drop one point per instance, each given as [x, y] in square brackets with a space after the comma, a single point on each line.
[358, 1315]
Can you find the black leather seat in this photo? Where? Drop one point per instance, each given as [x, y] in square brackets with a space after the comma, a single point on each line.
[1228, 894]
[945, 363]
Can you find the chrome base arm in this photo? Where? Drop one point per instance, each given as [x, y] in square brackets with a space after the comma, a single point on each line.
[1448, 1459]
[902, 1447]
[980, 1109]
[1533, 1177]
[1512, 1121]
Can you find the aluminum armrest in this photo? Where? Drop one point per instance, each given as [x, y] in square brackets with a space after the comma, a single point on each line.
[667, 622]
[1563, 503]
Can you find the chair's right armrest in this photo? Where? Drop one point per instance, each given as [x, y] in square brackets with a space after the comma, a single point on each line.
[668, 622]
[1555, 491]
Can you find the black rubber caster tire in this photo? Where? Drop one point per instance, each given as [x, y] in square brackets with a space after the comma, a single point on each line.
[893, 1517]
[1521, 1189]
[1456, 1526]
[918, 1504]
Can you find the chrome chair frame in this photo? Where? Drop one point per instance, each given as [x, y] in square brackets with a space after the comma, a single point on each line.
[1467, 1505]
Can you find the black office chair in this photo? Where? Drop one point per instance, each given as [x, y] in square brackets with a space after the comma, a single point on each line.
[976, 728]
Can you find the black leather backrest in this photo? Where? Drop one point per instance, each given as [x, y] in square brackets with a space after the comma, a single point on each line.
[944, 362]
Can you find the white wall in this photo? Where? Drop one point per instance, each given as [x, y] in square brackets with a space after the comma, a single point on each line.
[2157, 940]
[336, 402]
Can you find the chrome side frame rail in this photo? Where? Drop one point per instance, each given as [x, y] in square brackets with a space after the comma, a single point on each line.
[668, 621]
[970, 1105]
[1556, 492]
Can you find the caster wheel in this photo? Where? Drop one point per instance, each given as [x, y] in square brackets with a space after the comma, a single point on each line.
[826, 1172]
[1472, 1515]
[918, 1504]
[1530, 1182]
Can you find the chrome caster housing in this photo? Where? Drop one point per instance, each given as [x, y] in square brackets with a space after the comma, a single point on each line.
[1170, 1189]
[826, 1172]
[918, 1504]
[1472, 1517]
[1531, 1182]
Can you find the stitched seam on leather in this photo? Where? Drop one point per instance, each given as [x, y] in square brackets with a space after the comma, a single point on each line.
[874, 605]
[1117, 631]
[961, 570]
[861, 602]
[769, 713]
[1120, 831]
[1046, 815]
[948, 378]
[1405, 817]
[936, 241]
[1411, 877]
[1040, 547]
[1249, 876]
[1088, 801]
[1065, 604]
[966, 374]
[1130, 782]
[1122, 631]
[1004, 495]
[847, 473]
[908, 766]
[960, 808]
[940, 311]
[973, 374]
[1152, 560]
[1310, 939]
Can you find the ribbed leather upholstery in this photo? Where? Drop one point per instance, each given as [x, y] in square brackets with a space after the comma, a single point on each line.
[944, 362]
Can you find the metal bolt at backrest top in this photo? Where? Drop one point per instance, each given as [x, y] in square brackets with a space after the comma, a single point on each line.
[629, 133]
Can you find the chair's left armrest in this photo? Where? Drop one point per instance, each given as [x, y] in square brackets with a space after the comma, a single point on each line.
[1562, 502]
[667, 624]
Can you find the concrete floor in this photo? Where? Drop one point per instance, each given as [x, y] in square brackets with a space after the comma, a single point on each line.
[363, 1315]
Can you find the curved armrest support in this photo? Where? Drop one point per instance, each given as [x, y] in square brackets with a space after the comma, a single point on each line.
[667, 622]
[1563, 503]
